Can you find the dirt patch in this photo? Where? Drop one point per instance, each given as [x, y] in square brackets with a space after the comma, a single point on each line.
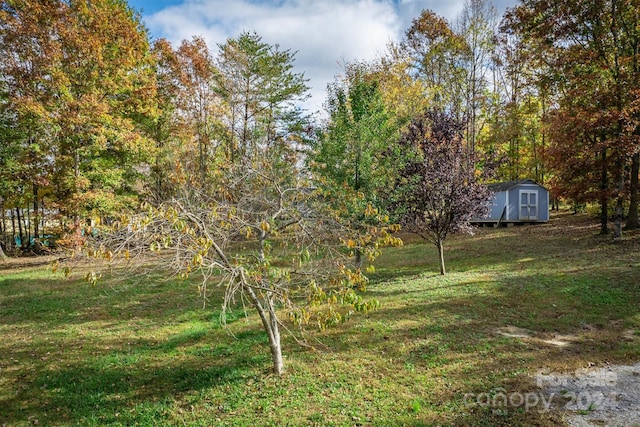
[606, 396]
[631, 335]
[17, 264]
[514, 332]
[556, 340]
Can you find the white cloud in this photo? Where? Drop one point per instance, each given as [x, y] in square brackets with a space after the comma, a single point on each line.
[324, 33]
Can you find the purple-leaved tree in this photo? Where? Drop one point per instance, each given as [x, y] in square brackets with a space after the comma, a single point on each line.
[439, 190]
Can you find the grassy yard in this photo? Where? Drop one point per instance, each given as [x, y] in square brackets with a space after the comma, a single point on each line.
[146, 353]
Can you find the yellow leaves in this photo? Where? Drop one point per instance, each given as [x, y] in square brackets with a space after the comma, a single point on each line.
[331, 317]
[390, 240]
[339, 307]
[394, 228]
[197, 260]
[300, 316]
[316, 294]
[92, 277]
[370, 211]
[204, 243]
[265, 226]
[186, 270]
[355, 279]
[108, 255]
[170, 214]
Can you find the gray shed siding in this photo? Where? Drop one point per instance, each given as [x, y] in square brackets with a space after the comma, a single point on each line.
[497, 206]
[525, 201]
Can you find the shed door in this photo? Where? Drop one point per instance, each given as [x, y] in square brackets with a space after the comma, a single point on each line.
[528, 205]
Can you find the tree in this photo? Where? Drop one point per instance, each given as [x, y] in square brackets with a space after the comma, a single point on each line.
[438, 192]
[261, 91]
[437, 55]
[105, 78]
[273, 244]
[261, 229]
[355, 157]
[199, 103]
[402, 94]
[27, 48]
[165, 128]
[78, 76]
[477, 24]
[592, 52]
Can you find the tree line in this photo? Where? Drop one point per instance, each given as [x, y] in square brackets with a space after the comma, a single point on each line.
[548, 92]
[94, 117]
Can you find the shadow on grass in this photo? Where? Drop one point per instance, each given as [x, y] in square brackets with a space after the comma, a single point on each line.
[77, 354]
[434, 340]
[58, 302]
[575, 294]
[121, 385]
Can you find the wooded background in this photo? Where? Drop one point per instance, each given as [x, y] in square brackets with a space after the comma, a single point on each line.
[95, 118]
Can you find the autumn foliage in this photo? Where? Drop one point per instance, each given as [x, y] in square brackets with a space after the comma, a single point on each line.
[118, 147]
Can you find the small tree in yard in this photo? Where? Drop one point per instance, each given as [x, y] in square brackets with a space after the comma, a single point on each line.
[263, 239]
[260, 229]
[438, 192]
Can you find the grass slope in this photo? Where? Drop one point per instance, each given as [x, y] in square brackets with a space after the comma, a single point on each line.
[146, 353]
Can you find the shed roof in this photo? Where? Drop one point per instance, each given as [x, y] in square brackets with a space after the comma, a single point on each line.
[508, 185]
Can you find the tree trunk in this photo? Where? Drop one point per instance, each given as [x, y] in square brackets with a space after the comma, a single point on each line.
[202, 157]
[3, 224]
[276, 346]
[27, 226]
[20, 231]
[3, 230]
[619, 214]
[36, 213]
[268, 313]
[42, 217]
[270, 324]
[269, 320]
[440, 246]
[633, 221]
[604, 199]
[13, 229]
[77, 232]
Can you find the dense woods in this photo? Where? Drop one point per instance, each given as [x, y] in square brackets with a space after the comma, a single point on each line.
[95, 118]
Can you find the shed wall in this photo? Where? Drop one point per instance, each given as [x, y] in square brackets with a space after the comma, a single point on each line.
[497, 206]
[511, 199]
[514, 201]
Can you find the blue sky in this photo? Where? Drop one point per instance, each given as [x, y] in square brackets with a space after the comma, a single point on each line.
[324, 33]
[149, 7]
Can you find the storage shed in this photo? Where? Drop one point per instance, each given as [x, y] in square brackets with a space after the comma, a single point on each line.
[522, 201]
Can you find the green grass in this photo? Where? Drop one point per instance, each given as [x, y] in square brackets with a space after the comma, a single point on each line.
[146, 353]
